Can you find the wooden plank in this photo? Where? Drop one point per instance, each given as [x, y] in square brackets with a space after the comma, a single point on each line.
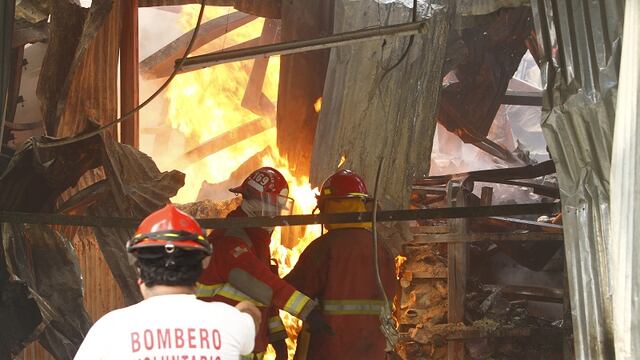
[161, 63]
[421, 239]
[486, 197]
[17, 54]
[129, 77]
[427, 335]
[437, 274]
[254, 99]
[430, 229]
[25, 32]
[457, 254]
[226, 139]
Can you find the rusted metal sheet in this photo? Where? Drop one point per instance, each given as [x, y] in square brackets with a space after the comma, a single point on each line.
[101, 292]
[68, 42]
[94, 72]
[580, 43]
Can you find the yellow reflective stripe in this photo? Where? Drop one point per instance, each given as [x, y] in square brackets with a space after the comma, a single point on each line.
[232, 293]
[275, 324]
[203, 290]
[226, 290]
[352, 307]
[296, 303]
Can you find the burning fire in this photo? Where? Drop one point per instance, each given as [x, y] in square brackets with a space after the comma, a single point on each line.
[206, 103]
[317, 106]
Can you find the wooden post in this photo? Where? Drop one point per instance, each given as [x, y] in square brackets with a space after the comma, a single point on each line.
[457, 254]
[129, 97]
[17, 55]
[486, 197]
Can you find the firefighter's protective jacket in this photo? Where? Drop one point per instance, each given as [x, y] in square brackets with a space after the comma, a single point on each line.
[240, 270]
[338, 269]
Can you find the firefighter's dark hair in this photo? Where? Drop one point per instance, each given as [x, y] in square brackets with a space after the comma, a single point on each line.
[180, 268]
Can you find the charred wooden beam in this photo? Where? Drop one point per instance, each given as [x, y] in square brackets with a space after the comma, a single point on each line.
[291, 220]
[25, 32]
[23, 126]
[13, 93]
[422, 239]
[129, 78]
[457, 265]
[536, 293]
[254, 99]
[227, 139]
[147, 3]
[262, 8]
[293, 47]
[160, 63]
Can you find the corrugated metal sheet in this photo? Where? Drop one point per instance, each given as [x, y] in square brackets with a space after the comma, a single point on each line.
[101, 292]
[625, 194]
[580, 42]
[482, 7]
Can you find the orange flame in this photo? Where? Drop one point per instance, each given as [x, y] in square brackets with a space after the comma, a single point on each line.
[206, 103]
[318, 104]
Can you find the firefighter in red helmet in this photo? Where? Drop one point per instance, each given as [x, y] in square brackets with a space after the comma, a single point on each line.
[338, 269]
[240, 267]
[169, 249]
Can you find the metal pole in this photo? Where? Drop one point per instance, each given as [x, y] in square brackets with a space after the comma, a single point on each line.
[292, 47]
[291, 220]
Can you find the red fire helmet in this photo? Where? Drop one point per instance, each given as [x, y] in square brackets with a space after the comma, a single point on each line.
[266, 184]
[343, 184]
[169, 228]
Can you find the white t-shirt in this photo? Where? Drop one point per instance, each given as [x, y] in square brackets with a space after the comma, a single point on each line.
[170, 327]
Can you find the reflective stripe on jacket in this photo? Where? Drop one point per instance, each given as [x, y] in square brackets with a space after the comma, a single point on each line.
[240, 270]
[338, 269]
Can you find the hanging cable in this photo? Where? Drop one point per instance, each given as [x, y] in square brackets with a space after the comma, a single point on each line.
[387, 325]
[124, 117]
[414, 18]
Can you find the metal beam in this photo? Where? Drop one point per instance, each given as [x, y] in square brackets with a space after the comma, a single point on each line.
[422, 239]
[292, 47]
[522, 98]
[291, 220]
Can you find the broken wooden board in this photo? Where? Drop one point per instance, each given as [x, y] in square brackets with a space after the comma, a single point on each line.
[161, 63]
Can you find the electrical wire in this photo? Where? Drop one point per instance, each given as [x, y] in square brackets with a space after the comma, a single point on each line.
[374, 219]
[84, 136]
[414, 18]
[387, 325]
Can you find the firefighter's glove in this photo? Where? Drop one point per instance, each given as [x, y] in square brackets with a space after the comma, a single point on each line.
[316, 324]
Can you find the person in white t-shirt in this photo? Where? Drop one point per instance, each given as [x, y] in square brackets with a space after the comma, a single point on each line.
[170, 323]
